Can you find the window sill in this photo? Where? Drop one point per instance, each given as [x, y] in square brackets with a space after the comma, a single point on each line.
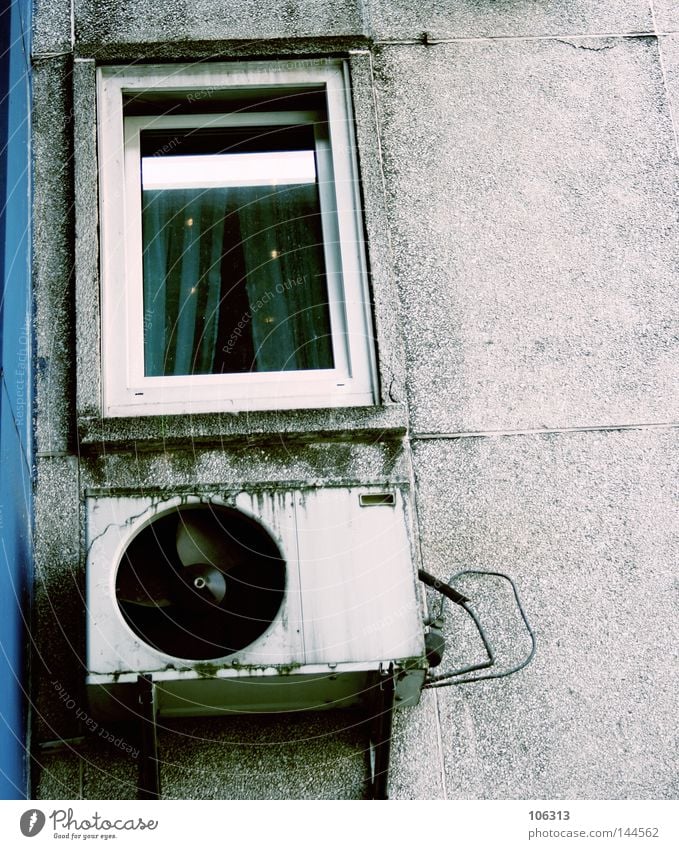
[236, 428]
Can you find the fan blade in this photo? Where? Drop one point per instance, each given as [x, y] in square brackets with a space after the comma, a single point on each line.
[202, 587]
[202, 539]
[148, 587]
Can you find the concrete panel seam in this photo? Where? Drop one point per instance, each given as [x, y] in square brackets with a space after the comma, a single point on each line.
[417, 524]
[439, 746]
[663, 72]
[427, 41]
[539, 431]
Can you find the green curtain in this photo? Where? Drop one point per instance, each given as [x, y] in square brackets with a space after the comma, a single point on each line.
[234, 280]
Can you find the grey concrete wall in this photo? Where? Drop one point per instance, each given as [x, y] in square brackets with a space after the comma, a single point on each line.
[142, 21]
[586, 524]
[538, 269]
[523, 197]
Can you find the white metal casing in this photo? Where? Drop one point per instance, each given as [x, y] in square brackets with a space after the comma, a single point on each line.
[350, 606]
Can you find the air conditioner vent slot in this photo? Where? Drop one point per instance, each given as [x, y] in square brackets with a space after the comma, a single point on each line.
[377, 499]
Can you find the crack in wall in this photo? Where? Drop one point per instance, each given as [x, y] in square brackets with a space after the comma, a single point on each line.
[586, 46]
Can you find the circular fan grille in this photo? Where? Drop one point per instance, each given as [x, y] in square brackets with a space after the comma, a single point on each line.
[201, 582]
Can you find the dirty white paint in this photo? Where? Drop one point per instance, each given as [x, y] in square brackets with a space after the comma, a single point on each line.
[350, 603]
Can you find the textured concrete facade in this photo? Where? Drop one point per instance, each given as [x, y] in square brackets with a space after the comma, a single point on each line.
[520, 171]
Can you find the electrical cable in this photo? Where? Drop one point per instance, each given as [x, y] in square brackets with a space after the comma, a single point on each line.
[474, 667]
[451, 593]
[442, 587]
[446, 590]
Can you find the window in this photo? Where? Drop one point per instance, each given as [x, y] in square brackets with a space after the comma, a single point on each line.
[233, 272]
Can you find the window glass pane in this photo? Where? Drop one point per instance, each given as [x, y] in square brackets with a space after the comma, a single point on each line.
[234, 269]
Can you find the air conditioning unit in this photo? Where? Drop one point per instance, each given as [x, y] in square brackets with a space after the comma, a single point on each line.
[251, 601]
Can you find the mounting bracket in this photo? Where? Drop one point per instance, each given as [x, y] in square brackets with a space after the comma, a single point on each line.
[149, 772]
[380, 734]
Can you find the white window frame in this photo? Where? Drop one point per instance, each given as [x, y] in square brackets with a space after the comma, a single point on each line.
[126, 391]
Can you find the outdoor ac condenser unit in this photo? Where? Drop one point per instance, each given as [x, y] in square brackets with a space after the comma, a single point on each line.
[251, 601]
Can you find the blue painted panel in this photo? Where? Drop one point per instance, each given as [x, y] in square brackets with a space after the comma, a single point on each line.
[15, 390]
